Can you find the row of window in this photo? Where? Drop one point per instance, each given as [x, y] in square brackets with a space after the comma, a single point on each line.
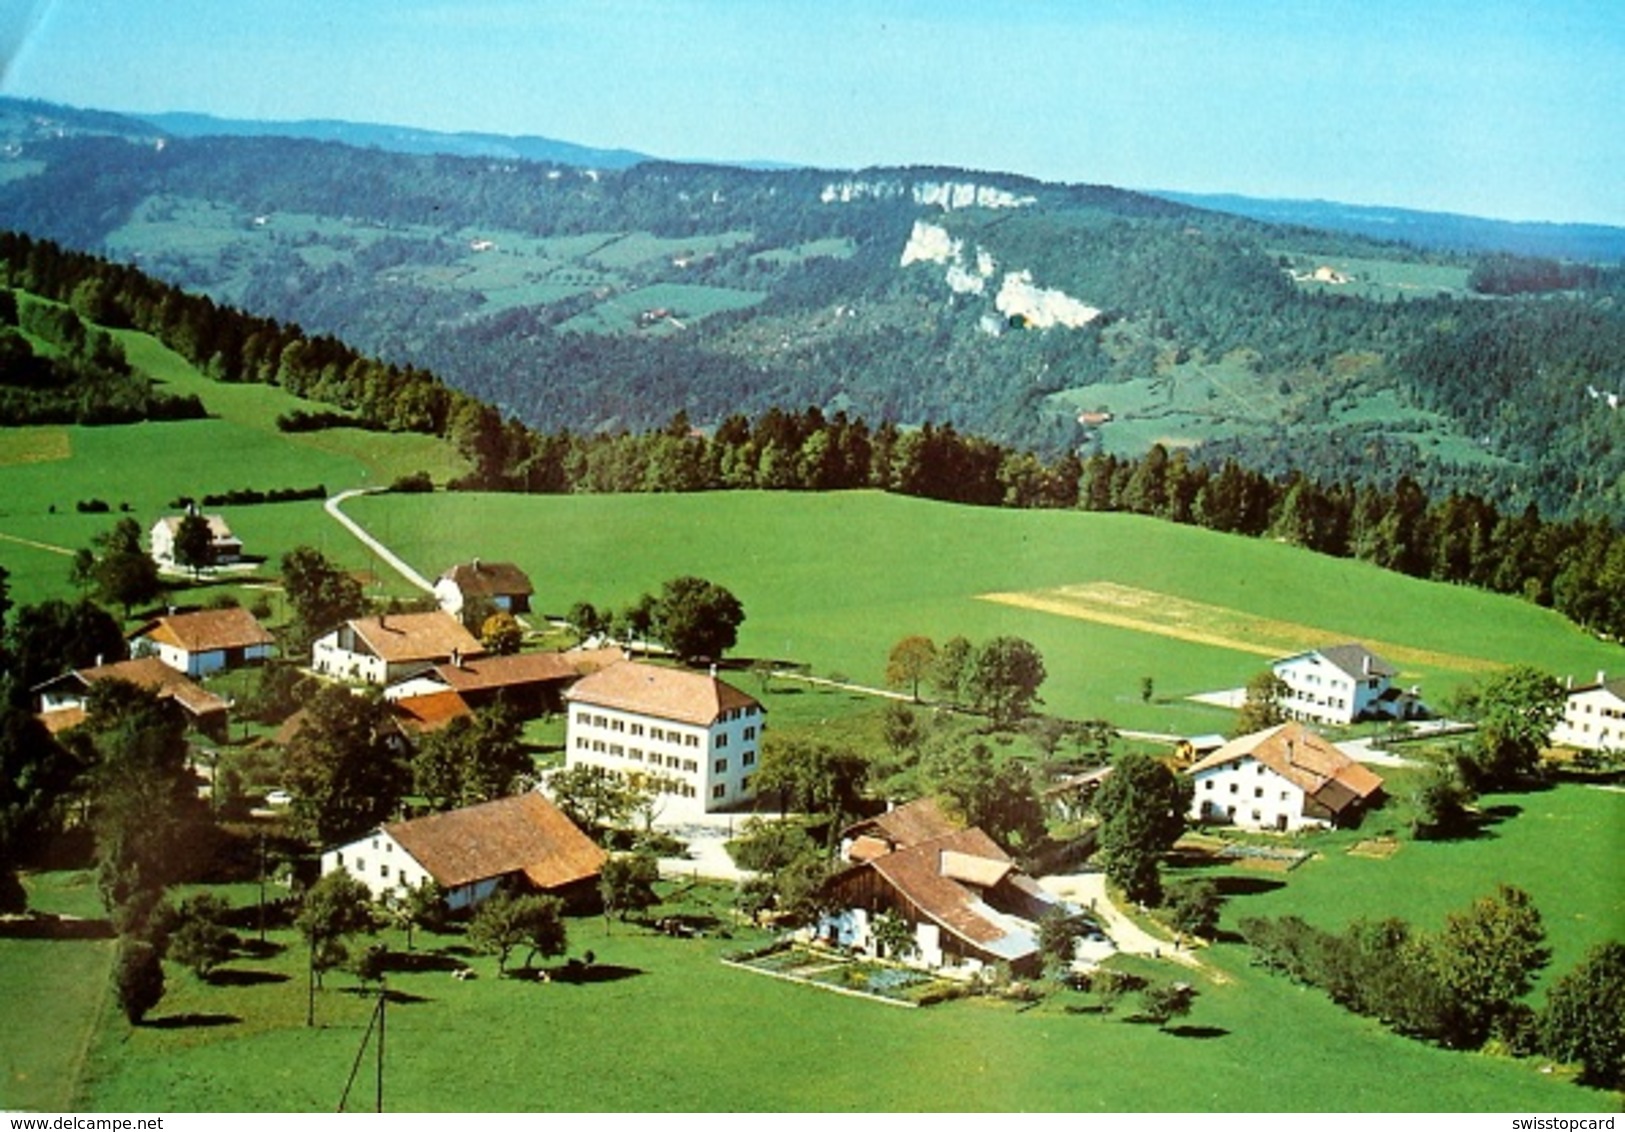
[1235, 788]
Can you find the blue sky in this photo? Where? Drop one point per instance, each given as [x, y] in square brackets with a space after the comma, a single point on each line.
[1491, 107]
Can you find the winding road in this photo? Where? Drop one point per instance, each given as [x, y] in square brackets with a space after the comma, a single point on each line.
[334, 507]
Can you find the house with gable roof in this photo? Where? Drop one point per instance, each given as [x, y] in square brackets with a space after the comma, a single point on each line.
[1283, 778]
[61, 701]
[503, 584]
[524, 841]
[1593, 716]
[1342, 683]
[389, 647]
[691, 736]
[205, 641]
[226, 547]
[969, 904]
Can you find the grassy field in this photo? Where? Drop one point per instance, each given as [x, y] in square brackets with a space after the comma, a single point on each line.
[899, 566]
[667, 1027]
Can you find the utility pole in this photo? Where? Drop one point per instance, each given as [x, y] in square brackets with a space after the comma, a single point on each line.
[262, 887]
[383, 1001]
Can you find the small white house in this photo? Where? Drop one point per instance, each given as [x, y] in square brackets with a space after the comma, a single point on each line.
[523, 840]
[503, 584]
[226, 546]
[691, 736]
[1341, 684]
[209, 640]
[1284, 778]
[385, 649]
[1593, 716]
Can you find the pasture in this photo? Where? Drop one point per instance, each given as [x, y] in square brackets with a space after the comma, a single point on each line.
[834, 580]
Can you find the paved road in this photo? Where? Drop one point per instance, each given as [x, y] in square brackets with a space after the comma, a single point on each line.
[334, 506]
[1088, 890]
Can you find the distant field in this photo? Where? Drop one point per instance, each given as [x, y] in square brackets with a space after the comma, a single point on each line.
[685, 301]
[34, 445]
[1383, 279]
[834, 580]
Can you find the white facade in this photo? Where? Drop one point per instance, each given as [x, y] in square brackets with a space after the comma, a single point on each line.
[1248, 794]
[384, 866]
[1321, 690]
[697, 768]
[341, 656]
[1593, 718]
[201, 663]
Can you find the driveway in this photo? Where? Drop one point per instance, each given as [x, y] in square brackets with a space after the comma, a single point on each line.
[1088, 890]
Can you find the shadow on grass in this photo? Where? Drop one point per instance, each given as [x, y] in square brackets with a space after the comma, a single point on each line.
[50, 926]
[1198, 1032]
[191, 1021]
[422, 961]
[576, 974]
[261, 949]
[395, 997]
[233, 978]
[1247, 886]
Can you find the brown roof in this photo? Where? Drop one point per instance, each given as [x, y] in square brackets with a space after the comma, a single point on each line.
[661, 692]
[430, 712]
[932, 875]
[485, 673]
[525, 834]
[401, 637]
[909, 824]
[154, 675]
[218, 530]
[1304, 759]
[489, 579]
[207, 630]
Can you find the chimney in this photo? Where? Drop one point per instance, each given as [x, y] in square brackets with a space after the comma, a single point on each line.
[1365, 664]
[456, 658]
[476, 565]
[1602, 677]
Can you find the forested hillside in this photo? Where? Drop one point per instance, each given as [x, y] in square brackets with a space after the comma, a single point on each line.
[1071, 320]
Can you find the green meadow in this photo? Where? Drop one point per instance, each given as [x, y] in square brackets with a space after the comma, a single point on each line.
[834, 580]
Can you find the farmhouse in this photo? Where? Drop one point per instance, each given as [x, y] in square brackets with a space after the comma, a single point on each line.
[226, 546]
[1593, 716]
[1283, 778]
[503, 584]
[967, 902]
[383, 649]
[531, 684]
[1341, 684]
[691, 736]
[421, 714]
[523, 841]
[61, 701]
[209, 640]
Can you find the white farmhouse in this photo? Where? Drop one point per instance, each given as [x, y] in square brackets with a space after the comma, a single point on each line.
[226, 546]
[523, 840]
[387, 648]
[205, 641]
[1283, 778]
[1341, 684]
[693, 737]
[503, 584]
[1593, 717]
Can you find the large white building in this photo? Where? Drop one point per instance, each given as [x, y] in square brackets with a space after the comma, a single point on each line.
[1283, 778]
[693, 737]
[1593, 717]
[1342, 683]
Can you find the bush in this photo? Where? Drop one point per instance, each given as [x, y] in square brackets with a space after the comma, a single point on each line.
[138, 978]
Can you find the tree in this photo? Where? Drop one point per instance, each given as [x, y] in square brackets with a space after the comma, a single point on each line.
[1263, 707]
[813, 777]
[1163, 1002]
[503, 921]
[472, 759]
[586, 621]
[911, 661]
[334, 908]
[627, 883]
[1004, 679]
[1148, 688]
[124, 574]
[343, 767]
[1058, 935]
[502, 634]
[1194, 907]
[36, 775]
[893, 936]
[1441, 803]
[1515, 711]
[199, 939]
[997, 796]
[322, 595]
[194, 543]
[1584, 1017]
[421, 906]
[1484, 960]
[593, 797]
[951, 672]
[1142, 807]
[138, 978]
[697, 619]
[49, 638]
[765, 846]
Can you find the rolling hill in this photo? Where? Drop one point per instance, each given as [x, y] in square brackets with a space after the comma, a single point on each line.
[1055, 317]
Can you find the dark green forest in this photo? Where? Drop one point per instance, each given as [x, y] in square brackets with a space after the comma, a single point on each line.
[612, 300]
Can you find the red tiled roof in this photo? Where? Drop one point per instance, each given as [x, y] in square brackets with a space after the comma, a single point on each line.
[403, 637]
[909, 824]
[661, 692]
[918, 873]
[525, 833]
[430, 712]
[207, 630]
[489, 672]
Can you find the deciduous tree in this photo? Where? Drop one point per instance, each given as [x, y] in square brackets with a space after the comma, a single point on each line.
[1584, 1018]
[1004, 678]
[697, 619]
[1142, 807]
[343, 766]
[911, 661]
